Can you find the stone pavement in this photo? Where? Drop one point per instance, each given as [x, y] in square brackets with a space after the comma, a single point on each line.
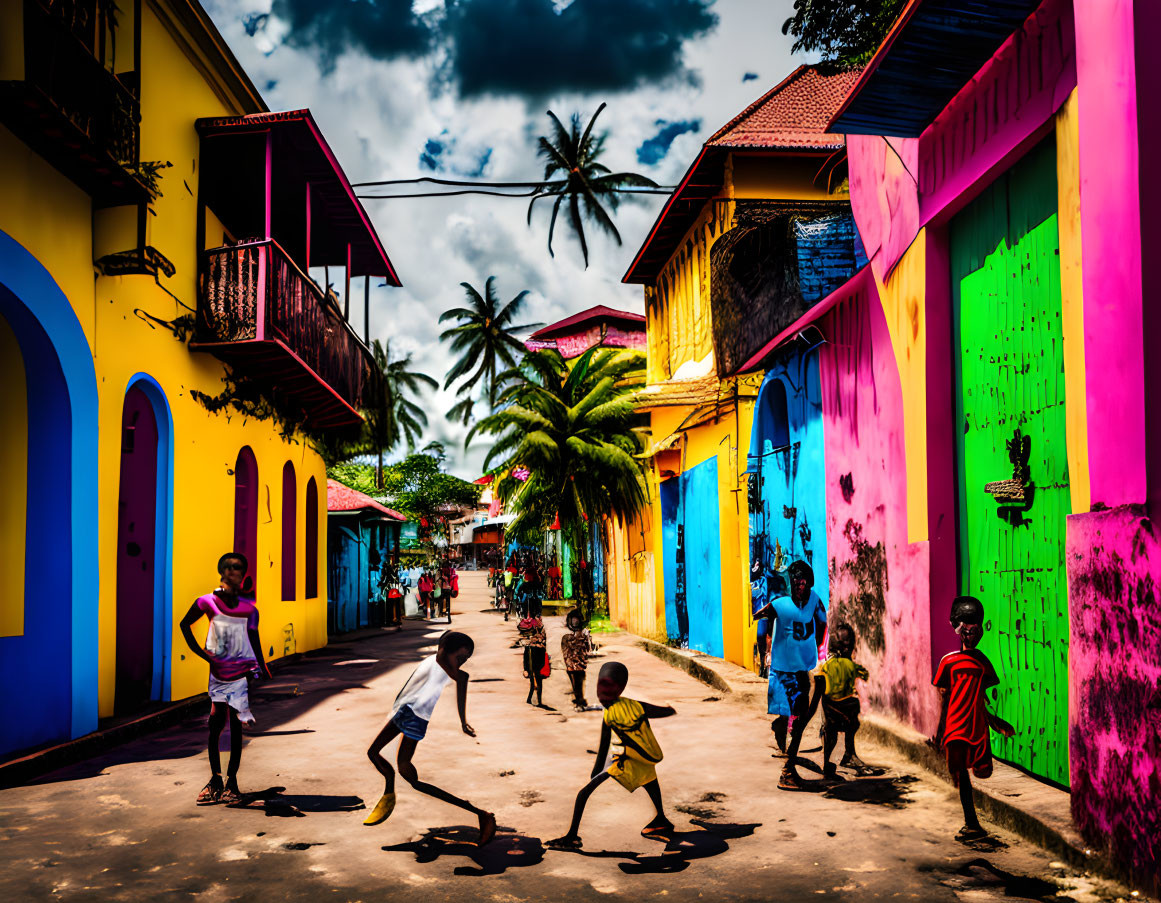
[122, 826]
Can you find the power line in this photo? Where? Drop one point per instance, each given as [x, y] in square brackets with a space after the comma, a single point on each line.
[484, 188]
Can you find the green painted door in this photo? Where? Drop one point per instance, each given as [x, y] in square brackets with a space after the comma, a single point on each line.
[1005, 269]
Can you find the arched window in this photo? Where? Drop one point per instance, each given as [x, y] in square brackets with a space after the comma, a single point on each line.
[246, 508]
[311, 539]
[775, 418]
[289, 533]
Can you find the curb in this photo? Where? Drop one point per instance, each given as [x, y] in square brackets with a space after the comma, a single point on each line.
[38, 762]
[1059, 838]
[34, 764]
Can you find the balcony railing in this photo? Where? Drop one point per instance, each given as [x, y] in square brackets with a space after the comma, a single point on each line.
[70, 106]
[257, 306]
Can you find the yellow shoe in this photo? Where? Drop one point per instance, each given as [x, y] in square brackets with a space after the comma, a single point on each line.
[382, 810]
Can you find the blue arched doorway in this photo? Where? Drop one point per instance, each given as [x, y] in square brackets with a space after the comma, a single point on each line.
[54, 655]
[787, 470]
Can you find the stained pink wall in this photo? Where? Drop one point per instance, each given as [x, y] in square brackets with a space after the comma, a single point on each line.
[1114, 576]
[1110, 225]
[878, 580]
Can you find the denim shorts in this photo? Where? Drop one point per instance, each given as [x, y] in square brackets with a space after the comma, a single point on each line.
[410, 724]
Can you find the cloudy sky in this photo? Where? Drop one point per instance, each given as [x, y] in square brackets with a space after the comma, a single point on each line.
[459, 89]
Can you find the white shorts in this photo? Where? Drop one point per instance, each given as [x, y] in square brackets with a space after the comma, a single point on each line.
[235, 693]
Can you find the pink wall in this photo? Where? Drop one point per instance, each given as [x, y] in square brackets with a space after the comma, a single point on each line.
[878, 582]
[1111, 249]
[884, 198]
[1114, 576]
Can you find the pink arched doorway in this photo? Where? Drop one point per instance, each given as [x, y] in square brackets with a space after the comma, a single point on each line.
[246, 509]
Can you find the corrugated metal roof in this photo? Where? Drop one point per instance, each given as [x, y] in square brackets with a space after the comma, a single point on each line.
[344, 498]
[932, 51]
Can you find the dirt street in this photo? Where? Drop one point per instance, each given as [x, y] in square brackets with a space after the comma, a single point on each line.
[124, 826]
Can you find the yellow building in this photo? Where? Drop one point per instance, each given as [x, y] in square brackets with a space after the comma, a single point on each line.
[167, 360]
[712, 267]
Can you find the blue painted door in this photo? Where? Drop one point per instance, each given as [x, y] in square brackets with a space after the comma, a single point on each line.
[788, 510]
[702, 546]
[676, 621]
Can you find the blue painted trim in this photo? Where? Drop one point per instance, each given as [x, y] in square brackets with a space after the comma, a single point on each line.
[160, 686]
[45, 324]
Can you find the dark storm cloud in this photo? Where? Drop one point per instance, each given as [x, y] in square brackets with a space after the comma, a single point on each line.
[654, 149]
[527, 47]
[381, 28]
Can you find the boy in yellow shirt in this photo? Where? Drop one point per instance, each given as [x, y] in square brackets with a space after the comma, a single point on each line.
[835, 679]
[634, 761]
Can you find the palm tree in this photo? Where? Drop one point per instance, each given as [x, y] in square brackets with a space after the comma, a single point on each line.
[391, 415]
[485, 338]
[573, 430]
[583, 180]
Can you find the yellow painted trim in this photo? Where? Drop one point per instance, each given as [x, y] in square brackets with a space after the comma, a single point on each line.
[903, 297]
[1072, 302]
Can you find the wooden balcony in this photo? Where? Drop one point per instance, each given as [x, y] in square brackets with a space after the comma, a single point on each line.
[82, 117]
[264, 316]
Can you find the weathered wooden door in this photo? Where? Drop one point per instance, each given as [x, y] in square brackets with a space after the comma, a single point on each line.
[1011, 427]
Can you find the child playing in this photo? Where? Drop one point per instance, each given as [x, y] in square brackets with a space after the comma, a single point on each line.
[963, 677]
[410, 716]
[835, 684]
[798, 623]
[634, 764]
[535, 643]
[234, 652]
[575, 647]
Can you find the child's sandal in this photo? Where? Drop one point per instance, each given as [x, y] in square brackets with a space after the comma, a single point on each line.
[230, 797]
[211, 794]
[564, 843]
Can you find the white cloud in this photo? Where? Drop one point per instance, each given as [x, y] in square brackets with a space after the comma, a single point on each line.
[378, 116]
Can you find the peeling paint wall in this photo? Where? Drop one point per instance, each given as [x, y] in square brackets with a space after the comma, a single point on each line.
[878, 580]
[1114, 569]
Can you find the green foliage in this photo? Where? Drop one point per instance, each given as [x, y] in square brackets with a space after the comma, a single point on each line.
[485, 338]
[573, 430]
[253, 399]
[845, 32]
[417, 486]
[392, 417]
[582, 180]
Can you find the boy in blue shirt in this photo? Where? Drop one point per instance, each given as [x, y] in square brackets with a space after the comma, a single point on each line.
[797, 628]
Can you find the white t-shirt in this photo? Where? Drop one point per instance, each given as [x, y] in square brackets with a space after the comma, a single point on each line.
[422, 690]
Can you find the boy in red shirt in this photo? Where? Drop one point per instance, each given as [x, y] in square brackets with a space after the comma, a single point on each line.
[963, 678]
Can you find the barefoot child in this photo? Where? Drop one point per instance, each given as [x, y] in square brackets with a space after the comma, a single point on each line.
[575, 647]
[234, 652]
[410, 716]
[963, 677]
[634, 763]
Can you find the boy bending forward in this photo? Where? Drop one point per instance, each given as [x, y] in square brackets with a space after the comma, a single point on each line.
[634, 762]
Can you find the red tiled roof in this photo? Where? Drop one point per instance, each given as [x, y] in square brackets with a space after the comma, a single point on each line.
[344, 498]
[791, 117]
[600, 312]
[793, 114]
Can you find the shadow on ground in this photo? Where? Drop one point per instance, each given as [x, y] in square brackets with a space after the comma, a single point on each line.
[981, 875]
[276, 804]
[890, 792]
[508, 850]
[296, 688]
[681, 848]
